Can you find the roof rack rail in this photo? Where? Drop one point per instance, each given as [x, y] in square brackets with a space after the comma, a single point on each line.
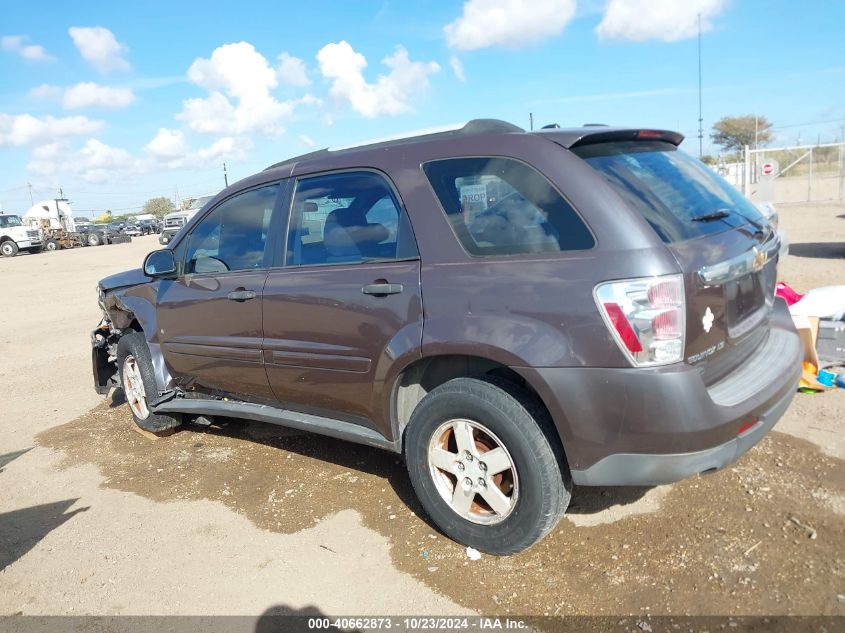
[475, 126]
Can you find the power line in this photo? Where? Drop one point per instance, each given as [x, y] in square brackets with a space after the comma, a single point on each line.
[784, 127]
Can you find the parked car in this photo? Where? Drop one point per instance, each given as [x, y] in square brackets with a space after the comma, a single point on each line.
[117, 226]
[93, 234]
[513, 312]
[134, 229]
[149, 226]
[173, 222]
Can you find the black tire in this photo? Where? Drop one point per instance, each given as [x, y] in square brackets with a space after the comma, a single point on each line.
[524, 429]
[52, 245]
[134, 345]
[92, 239]
[8, 248]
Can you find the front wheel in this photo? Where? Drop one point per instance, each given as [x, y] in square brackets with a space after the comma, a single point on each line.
[8, 248]
[484, 462]
[52, 245]
[93, 239]
[139, 385]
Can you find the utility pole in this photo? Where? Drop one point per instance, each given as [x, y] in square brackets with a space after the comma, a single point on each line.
[225, 175]
[700, 119]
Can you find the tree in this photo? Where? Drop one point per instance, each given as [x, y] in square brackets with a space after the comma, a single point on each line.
[732, 133]
[158, 207]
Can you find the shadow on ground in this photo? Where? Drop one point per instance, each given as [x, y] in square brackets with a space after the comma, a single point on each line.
[284, 619]
[21, 530]
[723, 544]
[818, 250]
[10, 457]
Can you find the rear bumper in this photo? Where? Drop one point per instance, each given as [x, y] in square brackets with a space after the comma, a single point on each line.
[629, 469]
[627, 427]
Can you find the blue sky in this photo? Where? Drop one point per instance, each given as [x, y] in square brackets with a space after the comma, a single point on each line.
[119, 102]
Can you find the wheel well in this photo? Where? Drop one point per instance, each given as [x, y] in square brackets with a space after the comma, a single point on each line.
[424, 375]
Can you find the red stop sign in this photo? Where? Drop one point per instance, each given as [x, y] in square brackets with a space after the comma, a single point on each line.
[768, 169]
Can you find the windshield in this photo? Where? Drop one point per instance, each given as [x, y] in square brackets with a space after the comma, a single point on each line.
[10, 220]
[680, 197]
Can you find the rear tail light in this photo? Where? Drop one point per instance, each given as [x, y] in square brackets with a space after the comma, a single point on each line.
[646, 317]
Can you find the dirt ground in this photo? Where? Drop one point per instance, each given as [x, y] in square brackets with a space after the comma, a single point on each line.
[243, 518]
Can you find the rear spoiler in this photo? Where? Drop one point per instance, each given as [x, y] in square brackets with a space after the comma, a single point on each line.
[576, 137]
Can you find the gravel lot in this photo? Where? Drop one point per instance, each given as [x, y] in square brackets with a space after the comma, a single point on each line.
[242, 518]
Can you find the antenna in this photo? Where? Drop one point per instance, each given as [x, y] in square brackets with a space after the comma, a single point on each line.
[225, 175]
[530, 120]
[700, 119]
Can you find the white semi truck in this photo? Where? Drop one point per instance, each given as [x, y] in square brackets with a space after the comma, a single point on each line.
[15, 237]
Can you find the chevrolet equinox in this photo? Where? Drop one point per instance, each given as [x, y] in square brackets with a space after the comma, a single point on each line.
[513, 312]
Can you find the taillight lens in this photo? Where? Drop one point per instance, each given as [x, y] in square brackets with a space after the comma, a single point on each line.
[647, 317]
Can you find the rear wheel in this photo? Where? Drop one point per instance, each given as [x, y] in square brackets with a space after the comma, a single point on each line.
[139, 386]
[8, 248]
[485, 463]
[93, 239]
[52, 245]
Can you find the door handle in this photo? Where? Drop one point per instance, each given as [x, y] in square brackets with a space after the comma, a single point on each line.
[241, 295]
[381, 290]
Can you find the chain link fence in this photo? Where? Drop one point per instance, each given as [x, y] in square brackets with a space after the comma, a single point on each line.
[806, 173]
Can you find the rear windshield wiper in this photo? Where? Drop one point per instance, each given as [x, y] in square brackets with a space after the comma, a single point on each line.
[714, 215]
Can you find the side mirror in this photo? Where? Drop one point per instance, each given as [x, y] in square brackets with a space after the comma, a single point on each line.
[160, 263]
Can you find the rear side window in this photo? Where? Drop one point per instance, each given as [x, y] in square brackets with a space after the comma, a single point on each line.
[500, 206]
[670, 189]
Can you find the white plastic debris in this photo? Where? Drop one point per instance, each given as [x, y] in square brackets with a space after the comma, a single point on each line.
[473, 554]
[827, 302]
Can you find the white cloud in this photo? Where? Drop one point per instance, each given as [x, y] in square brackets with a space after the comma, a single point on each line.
[307, 140]
[95, 162]
[664, 20]
[226, 147]
[12, 42]
[390, 94]
[88, 94]
[509, 23]
[167, 144]
[457, 68]
[45, 92]
[239, 80]
[34, 52]
[25, 129]
[99, 47]
[292, 71]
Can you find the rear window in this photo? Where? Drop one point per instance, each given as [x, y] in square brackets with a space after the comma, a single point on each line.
[669, 188]
[500, 206]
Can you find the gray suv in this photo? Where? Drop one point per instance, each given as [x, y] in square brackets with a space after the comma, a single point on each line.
[513, 312]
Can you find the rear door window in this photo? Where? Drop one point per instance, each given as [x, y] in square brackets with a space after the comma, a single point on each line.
[500, 206]
[671, 190]
[347, 218]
